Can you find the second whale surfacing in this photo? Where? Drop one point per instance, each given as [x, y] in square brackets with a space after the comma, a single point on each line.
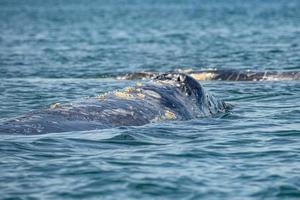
[172, 96]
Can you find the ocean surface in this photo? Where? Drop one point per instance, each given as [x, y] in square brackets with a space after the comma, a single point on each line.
[59, 51]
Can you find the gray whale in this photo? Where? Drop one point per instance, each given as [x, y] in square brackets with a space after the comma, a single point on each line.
[223, 75]
[172, 96]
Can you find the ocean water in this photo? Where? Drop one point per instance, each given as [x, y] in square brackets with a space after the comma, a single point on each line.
[59, 51]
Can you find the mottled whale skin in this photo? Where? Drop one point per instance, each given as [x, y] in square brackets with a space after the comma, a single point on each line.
[165, 97]
[224, 75]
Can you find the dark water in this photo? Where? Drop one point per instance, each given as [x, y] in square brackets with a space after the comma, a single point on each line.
[55, 51]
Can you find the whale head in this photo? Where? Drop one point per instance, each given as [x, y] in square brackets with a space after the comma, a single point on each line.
[187, 85]
[195, 93]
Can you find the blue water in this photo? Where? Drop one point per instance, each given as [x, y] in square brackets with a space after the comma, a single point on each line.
[57, 51]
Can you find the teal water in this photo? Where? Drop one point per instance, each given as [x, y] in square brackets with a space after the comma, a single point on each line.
[56, 51]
